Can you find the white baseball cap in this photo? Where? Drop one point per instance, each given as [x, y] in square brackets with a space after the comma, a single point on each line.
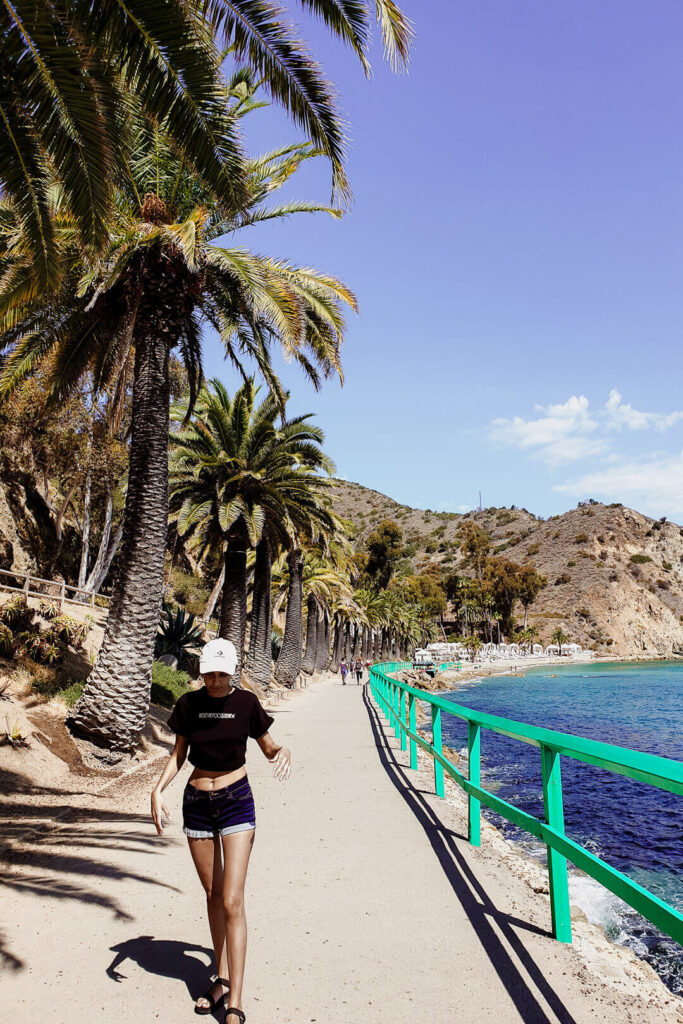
[218, 656]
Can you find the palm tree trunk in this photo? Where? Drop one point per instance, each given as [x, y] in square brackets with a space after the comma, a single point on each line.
[234, 605]
[259, 654]
[365, 644]
[113, 707]
[384, 655]
[322, 656]
[308, 664]
[355, 651]
[376, 645]
[288, 665]
[337, 641]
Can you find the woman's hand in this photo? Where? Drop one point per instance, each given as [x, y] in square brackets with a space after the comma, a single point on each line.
[282, 763]
[159, 808]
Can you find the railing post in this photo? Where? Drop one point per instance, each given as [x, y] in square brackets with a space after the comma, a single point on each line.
[26, 584]
[437, 744]
[474, 762]
[557, 864]
[402, 715]
[397, 709]
[411, 726]
[62, 595]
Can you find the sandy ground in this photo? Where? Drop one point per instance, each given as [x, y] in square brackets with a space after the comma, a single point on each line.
[364, 900]
[512, 666]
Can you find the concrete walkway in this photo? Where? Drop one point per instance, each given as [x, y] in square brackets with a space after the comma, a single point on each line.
[364, 902]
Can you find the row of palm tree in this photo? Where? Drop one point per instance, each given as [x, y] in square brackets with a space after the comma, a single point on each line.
[121, 171]
[250, 489]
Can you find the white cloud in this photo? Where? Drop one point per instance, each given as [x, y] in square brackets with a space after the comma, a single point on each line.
[653, 484]
[572, 431]
[619, 414]
[562, 434]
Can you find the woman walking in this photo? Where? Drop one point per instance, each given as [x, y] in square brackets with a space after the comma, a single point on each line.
[219, 817]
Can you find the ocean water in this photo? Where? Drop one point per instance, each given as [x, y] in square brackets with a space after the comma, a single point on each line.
[635, 827]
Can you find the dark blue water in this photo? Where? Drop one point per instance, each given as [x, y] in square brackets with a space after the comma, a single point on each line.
[635, 827]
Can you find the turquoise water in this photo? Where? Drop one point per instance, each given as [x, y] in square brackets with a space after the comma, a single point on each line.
[635, 827]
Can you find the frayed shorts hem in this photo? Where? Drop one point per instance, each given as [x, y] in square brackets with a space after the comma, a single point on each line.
[242, 827]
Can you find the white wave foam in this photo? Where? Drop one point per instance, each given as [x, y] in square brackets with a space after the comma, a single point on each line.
[600, 906]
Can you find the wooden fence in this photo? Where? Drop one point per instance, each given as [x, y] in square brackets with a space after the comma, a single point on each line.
[34, 586]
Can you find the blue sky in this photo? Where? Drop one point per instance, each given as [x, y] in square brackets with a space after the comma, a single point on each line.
[516, 244]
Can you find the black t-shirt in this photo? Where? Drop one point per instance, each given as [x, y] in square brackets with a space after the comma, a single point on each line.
[218, 727]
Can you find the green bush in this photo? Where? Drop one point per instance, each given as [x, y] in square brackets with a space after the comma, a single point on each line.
[640, 559]
[71, 694]
[167, 684]
[49, 682]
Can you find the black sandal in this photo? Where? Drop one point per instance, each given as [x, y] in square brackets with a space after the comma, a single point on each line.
[214, 1002]
[235, 1009]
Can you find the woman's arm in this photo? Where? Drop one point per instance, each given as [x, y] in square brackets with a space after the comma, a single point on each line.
[279, 757]
[173, 766]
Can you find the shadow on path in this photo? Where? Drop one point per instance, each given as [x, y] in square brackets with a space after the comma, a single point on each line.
[472, 897]
[166, 958]
[58, 861]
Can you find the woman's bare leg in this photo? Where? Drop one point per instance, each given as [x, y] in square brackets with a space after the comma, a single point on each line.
[208, 860]
[236, 852]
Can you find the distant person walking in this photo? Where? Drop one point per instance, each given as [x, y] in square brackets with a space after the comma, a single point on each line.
[219, 818]
[358, 669]
[344, 669]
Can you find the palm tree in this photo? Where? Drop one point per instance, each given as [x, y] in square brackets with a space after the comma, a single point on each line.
[67, 72]
[241, 482]
[159, 281]
[559, 637]
[322, 585]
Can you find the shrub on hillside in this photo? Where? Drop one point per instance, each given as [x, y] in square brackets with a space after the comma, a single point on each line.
[188, 590]
[640, 559]
[564, 578]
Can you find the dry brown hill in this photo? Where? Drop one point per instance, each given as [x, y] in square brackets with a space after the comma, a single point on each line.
[615, 577]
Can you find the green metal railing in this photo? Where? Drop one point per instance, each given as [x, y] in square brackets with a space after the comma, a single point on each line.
[390, 695]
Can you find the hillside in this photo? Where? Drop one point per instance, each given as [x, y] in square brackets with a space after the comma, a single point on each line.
[615, 577]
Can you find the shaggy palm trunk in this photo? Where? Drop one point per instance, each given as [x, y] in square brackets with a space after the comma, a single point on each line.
[288, 665]
[365, 643]
[355, 650]
[322, 656]
[308, 664]
[259, 656]
[346, 650]
[386, 646]
[234, 605]
[375, 646]
[337, 641]
[113, 707]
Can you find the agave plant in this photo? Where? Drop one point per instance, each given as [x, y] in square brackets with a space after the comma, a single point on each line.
[6, 641]
[178, 635]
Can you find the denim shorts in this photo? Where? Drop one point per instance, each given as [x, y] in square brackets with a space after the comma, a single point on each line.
[218, 812]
